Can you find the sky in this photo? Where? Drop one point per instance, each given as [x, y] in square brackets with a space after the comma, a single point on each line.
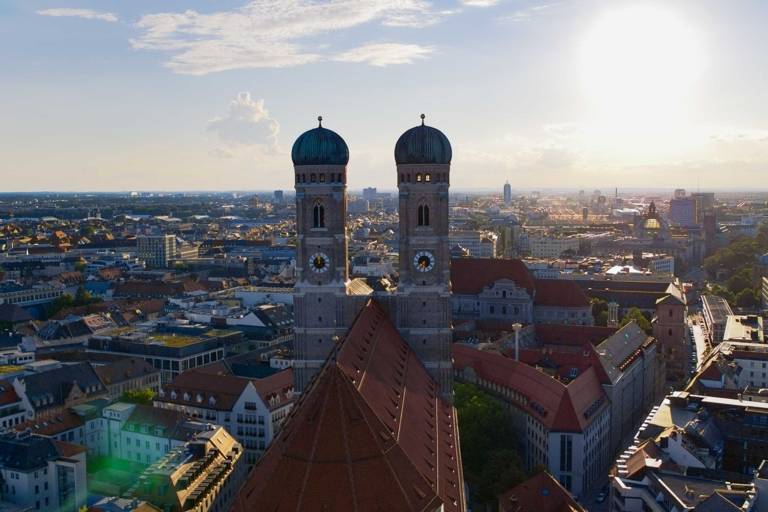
[108, 95]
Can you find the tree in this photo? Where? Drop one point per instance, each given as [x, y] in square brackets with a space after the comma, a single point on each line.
[489, 448]
[634, 314]
[599, 311]
[138, 396]
[739, 281]
[746, 298]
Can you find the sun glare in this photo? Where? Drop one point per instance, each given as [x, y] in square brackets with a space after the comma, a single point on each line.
[639, 65]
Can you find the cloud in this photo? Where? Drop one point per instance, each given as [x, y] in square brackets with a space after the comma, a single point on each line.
[271, 33]
[247, 125]
[527, 13]
[480, 3]
[87, 14]
[385, 54]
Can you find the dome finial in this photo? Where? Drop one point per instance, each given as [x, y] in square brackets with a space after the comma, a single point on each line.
[422, 119]
[320, 121]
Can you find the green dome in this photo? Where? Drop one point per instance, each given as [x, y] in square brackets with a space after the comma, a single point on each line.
[423, 145]
[320, 146]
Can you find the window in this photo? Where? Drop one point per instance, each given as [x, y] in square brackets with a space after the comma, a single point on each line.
[427, 177]
[423, 215]
[418, 178]
[322, 178]
[313, 178]
[318, 216]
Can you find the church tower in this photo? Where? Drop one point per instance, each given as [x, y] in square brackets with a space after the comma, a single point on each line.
[423, 158]
[320, 158]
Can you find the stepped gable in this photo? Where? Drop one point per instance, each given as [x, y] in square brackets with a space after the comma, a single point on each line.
[370, 433]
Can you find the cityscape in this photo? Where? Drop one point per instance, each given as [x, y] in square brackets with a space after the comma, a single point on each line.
[284, 313]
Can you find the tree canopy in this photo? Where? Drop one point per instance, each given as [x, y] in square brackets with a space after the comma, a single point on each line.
[138, 396]
[489, 448]
[639, 318]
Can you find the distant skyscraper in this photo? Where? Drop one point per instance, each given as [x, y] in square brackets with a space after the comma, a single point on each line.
[279, 197]
[679, 193]
[684, 211]
[507, 194]
[369, 194]
[156, 251]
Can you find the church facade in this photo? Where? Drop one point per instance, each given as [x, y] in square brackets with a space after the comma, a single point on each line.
[326, 300]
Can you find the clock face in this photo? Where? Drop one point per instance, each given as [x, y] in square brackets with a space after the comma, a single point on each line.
[424, 261]
[319, 262]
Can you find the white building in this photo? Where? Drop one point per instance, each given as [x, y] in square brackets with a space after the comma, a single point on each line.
[38, 473]
[251, 410]
[551, 247]
[480, 244]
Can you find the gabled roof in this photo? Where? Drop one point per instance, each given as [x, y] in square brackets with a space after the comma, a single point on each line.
[8, 394]
[52, 388]
[370, 433]
[13, 314]
[572, 334]
[619, 351]
[560, 407]
[124, 370]
[559, 293]
[224, 389]
[470, 275]
[540, 493]
[54, 425]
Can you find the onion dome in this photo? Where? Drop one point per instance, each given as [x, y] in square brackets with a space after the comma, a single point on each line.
[320, 146]
[423, 145]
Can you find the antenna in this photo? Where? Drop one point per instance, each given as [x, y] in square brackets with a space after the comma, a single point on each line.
[320, 121]
[422, 119]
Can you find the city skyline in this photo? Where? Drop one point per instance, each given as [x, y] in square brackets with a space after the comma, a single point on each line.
[108, 96]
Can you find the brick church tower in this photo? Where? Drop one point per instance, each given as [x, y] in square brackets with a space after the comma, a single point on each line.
[423, 309]
[321, 310]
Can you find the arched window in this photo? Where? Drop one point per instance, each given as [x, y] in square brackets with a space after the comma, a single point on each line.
[313, 178]
[423, 215]
[427, 177]
[318, 216]
[418, 177]
[322, 177]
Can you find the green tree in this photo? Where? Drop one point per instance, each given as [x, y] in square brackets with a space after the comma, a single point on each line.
[739, 281]
[640, 319]
[138, 396]
[725, 293]
[746, 298]
[599, 311]
[489, 448]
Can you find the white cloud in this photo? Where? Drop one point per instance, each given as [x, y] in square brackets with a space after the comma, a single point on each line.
[269, 33]
[87, 14]
[480, 3]
[385, 54]
[528, 13]
[247, 126]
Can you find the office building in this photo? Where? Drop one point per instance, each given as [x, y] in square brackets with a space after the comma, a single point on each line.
[156, 250]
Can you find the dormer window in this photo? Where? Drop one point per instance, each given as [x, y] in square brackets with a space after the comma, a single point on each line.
[173, 395]
[199, 398]
[186, 397]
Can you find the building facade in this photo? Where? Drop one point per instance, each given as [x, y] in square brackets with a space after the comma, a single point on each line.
[156, 250]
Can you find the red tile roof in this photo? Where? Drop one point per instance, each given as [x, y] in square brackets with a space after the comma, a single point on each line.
[470, 275]
[53, 425]
[540, 493]
[278, 385]
[225, 390]
[561, 359]
[559, 293]
[8, 394]
[573, 334]
[370, 433]
[560, 407]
